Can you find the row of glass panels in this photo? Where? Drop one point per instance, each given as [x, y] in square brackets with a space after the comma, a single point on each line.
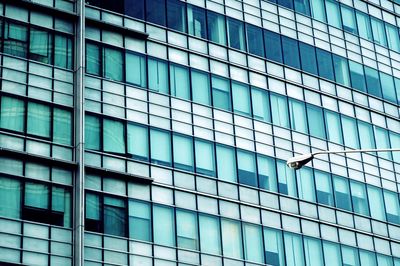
[236, 165]
[211, 234]
[191, 84]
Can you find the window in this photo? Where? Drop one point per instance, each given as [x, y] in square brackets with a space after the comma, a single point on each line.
[279, 110]
[324, 188]
[388, 89]
[373, 83]
[267, 173]
[134, 8]
[315, 121]
[176, 15]
[359, 198]
[382, 142]
[298, 118]
[226, 163]
[62, 128]
[342, 193]
[313, 251]
[236, 34]
[308, 59]
[179, 80]
[163, 225]
[286, 179]
[114, 217]
[305, 184]
[135, 69]
[93, 59]
[183, 152]
[378, 31]
[201, 87]
[273, 46]
[357, 76]
[350, 132]
[286, 3]
[302, 6]
[205, 159]
[158, 75]
[92, 132]
[138, 142]
[38, 119]
[290, 52]
[231, 239]
[40, 46]
[155, 11]
[253, 243]
[139, 220]
[241, 98]
[349, 19]
[333, 127]
[247, 168]
[160, 147]
[196, 21]
[186, 227]
[332, 254]
[10, 197]
[375, 200]
[341, 69]
[92, 213]
[261, 108]
[293, 249]
[12, 115]
[113, 64]
[350, 256]
[366, 135]
[392, 207]
[273, 244]
[116, 6]
[113, 136]
[15, 39]
[221, 93]
[255, 40]
[364, 25]
[216, 28]
[210, 240]
[393, 37]
[325, 67]
[333, 14]
[318, 10]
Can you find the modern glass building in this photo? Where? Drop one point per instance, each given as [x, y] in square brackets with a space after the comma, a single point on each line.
[155, 132]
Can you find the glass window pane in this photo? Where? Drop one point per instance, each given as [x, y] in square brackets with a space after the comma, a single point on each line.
[273, 245]
[333, 14]
[38, 119]
[308, 59]
[382, 142]
[302, 6]
[221, 93]
[241, 98]
[325, 67]
[395, 142]
[349, 19]
[36, 195]
[247, 168]
[359, 198]
[10, 197]
[210, 241]
[113, 136]
[138, 142]
[232, 239]
[298, 118]
[179, 80]
[155, 11]
[350, 256]
[236, 34]
[158, 75]
[201, 87]
[186, 227]
[205, 159]
[267, 173]
[183, 152]
[163, 226]
[160, 147]
[92, 213]
[260, 101]
[388, 90]
[357, 76]
[350, 132]
[61, 207]
[62, 128]
[392, 206]
[293, 249]
[286, 3]
[324, 188]
[315, 121]
[342, 193]
[305, 184]
[92, 132]
[15, 39]
[255, 40]
[113, 63]
[92, 59]
[375, 200]
[226, 163]
[135, 71]
[364, 25]
[286, 179]
[197, 21]
[279, 110]
[393, 37]
[40, 46]
[216, 28]
[384, 260]
[273, 46]
[139, 220]
[12, 114]
[332, 254]
[176, 15]
[253, 244]
[366, 135]
[318, 10]
[378, 31]
[333, 127]
[114, 216]
[290, 52]
[341, 70]
[373, 84]
[313, 251]
[134, 8]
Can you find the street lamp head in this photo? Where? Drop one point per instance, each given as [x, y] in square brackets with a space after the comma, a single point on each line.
[299, 161]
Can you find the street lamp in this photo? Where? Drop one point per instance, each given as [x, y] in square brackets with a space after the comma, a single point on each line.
[299, 161]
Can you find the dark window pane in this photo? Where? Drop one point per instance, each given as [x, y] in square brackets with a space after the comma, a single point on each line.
[302, 6]
[176, 15]
[113, 5]
[61, 207]
[36, 202]
[342, 193]
[216, 28]
[273, 47]
[134, 8]
[290, 52]
[325, 67]
[155, 11]
[255, 40]
[372, 79]
[357, 76]
[308, 59]
[286, 3]
[236, 34]
[197, 21]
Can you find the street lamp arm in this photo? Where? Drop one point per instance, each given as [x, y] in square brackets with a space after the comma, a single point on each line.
[300, 160]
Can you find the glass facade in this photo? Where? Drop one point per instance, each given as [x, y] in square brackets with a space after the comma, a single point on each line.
[156, 132]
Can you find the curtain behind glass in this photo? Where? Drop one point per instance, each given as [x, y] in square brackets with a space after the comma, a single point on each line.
[179, 82]
[261, 108]
[279, 110]
[160, 146]
[158, 75]
[216, 28]
[205, 159]
[92, 132]
[313, 251]
[39, 119]
[36, 195]
[253, 243]
[62, 51]
[210, 241]
[12, 115]
[163, 226]
[62, 126]
[40, 47]
[135, 69]
[113, 64]
[186, 227]
[241, 98]
[305, 184]
[201, 87]
[15, 40]
[273, 245]
[113, 136]
[10, 197]
[232, 239]
[293, 249]
[183, 152]
[114, 216]
[226, 163]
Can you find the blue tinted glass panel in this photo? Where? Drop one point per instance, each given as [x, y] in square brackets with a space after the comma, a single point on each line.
[392, 206]
[232, 239]
[332, 254]
[176, 15]
[375, 200]
[38, 119]
[324, 188]
[12, 114]
[298, 117]
[286, 3]
[186, 230]
[373, 83]
[135, 69]
[364, 25]
[236, 34]
[138, 142]
[134, 8]
[357, 76]
[342, 193]
[139, 220]
[333, 127]
[359, 198]
[253, 243]
[302, 6]
[163, 225]
[113, 64]
[382, 142]
[10, 197]
[388, 89]
[241, 98]
[349, 19]
[196, 21]
[255, 40]
[350, 256]
[273, 46]
[260, 101]
[366, 135]
[305, 184]
[92, 59]
[393, 37]
[378, 31]
[308, 59]
[333, 14]
[315, 121]
[313, 251]
[158, 75]
[114, 216]
[201, 87]
[341, 69]
[221, 93]
[290, 52]
[179, 81]
[247, 168]
[273, 245]
[267, 173]
[318, 10]
[279, 110]
[216, 28]
[92, 132]
[155, 11]
[395, 142]
[325, 67]
[350, 132]
[286, 179]
[113, 136]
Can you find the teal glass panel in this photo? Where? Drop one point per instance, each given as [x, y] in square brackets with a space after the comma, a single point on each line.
[332, 254]
[325, 65]
[63, 51]
[183, 152]
[113, 64]
[298, 117]
[186, 230]
[176, 15]
[92, 59]
[163, 225]
[236, 37]
[255, 40]
[384, 260]
[293, 249]
[139, 220]
[158, 75]
[333, 14]
[62, 128]
[392, 206]
[221, 93]
[273, 244]
[395, 142]
[114, 216]
[273, 46]
[41, 46]
[308, 58]
[392, 34]
[333, 127]
[350, 132]
[313, 251]
[38, 119]
[291, 55]
[375, 200]
[267, 173]
[342, 193]
[160, 147]
[364, 25]
[247, 168]
[241, 98]
[61, 206]
[216, 28]
[324, 188]
[113, 136]
[359, 198]
[373, 83]
[318, 10]
[135, 69]
[279, 110]
[36, 195]
[260, 101]
[366, 135]
[305, 184]
[226, 163]
[155, 11]
[350, 256]
[197, 21]
[315, 121]
[388, 89]
[302, 6]
[286, 179]
[383, 142]
[205, 158]
[15, 39]
[341, 69]
[349, 19]
[10, 197]
[232, 239]
[357, 76]
[367, 258]
[210, 240]
[378, 31]
[138, 142]
[92, 212]
[92, 132]
[12, 114]
[253, 243]
[397, 85]
[179, 81]
[201, 87]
